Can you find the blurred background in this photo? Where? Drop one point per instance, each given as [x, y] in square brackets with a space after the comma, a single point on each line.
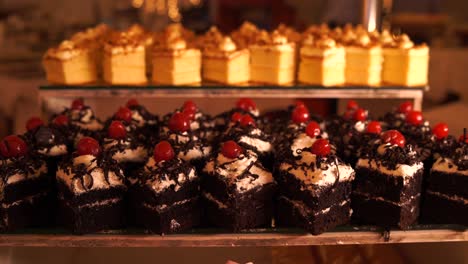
[29, 27]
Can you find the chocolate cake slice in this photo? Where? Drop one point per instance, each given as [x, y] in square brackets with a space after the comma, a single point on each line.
[387, 187]
[314, 189]
[446, 196]
[166, 195]
[25, 187]
[91, 187]
[237, 190]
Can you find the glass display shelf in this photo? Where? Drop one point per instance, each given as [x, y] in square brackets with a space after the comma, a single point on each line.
[218, 238]
[220, 91]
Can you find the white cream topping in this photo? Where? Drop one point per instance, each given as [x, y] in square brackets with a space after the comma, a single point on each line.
[326, 175]
[305, 210]
[360, 126]
[138, 154]
[163, 181]
[96, 176]
[162, 207]
[22, 176]
[402, 170]
[195, 153]
[446, 165]
[260, 145]
[233, 168]
[54, 150]
[302, 141]
[88, 121]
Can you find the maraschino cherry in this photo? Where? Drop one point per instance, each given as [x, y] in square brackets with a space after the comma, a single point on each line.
[124, 114]
[405, 107]
[179, 122]
[414, 118]
[300, 114]
[360, 114]
[13, 147]
[189, 104]
[77, 104]
[321, 147]
[88, 146]
[60, 120]
[247, 120]
[236, 117]
[246, 104]
[132, 103]
[231, 149]
[393, 137]
[163, 151]
[33, 123]
[352, 105]
[313, 129]
[117, 130]
[374, 127]
[440, 131]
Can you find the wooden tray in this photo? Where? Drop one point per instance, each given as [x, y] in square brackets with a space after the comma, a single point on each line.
[215, 238]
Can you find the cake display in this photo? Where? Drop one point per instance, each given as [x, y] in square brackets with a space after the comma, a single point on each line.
[91, 187]
[272, 59]
[174, 60]
[315, 190]
[445, 199]
[124, 60]
[322, 62]
[387, 188]
[24, 186]
[404, 62]
[166, 195]
[223, 61]
[237, 190]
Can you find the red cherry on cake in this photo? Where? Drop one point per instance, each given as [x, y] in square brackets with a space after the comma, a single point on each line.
[132, 103]
[77, 104]
[300, 114]
[231, 149]
[247, 120]
[321, 147]
[414, 118]
[405, 107]
[124, 113]
[246, 104]
[13, 146]
[374, 127]
[60, 120]
[440, 130]
[352, 105]
[313, 129]
[236, 117]
[190, 105]
[117, 130]
[393, 137]
[163, 151]
[33, 123]
[189, 113]
[179, 122]
[88, 146]
[360, 114]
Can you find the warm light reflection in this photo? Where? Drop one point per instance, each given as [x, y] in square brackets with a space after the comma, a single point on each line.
[161, 7]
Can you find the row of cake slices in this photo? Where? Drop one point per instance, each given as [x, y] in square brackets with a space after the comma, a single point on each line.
[175, 56]
[186, 169]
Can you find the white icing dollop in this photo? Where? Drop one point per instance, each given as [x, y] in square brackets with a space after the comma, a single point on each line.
[314, 176]
[87, 121]
[302, 141]
[446, 165]
[54, 151]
